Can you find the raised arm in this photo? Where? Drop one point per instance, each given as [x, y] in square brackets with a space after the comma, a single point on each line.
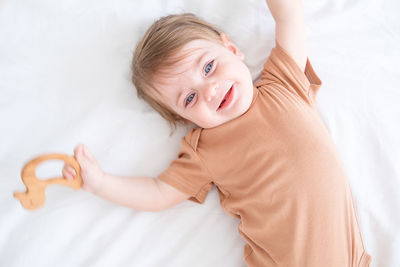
[290, 30]
[139, 193]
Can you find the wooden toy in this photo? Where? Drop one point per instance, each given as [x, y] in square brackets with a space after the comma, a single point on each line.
[35, 197]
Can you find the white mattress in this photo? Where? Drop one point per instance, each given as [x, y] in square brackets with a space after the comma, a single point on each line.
[65, 79]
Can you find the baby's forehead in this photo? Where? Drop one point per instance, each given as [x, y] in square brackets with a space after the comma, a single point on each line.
[189, 55]
[198, 45]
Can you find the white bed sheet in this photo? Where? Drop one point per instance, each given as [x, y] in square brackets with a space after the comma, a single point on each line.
[65, 79]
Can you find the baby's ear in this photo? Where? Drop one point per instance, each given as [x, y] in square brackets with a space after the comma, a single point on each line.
[231, 46]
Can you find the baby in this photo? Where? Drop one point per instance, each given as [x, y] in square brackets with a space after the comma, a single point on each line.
[264, 146]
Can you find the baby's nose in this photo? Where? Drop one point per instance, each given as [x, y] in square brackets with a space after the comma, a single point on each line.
[210, 91]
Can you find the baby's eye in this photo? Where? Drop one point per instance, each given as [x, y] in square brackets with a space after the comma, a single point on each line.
[208, 67]
[189, 99]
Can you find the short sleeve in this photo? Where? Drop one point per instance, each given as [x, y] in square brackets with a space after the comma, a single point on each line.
[280, 68]
[188, 174]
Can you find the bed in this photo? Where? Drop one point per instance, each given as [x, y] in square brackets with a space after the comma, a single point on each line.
[65, 80]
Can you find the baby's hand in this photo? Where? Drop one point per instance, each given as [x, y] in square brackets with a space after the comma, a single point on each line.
[91, 172]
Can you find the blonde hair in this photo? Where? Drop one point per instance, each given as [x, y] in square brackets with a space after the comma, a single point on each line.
[156, 50]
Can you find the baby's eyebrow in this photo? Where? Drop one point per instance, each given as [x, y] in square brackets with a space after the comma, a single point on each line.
[179, 96]
[200, 58]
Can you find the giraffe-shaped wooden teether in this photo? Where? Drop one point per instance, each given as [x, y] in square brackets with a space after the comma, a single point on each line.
[35, 197]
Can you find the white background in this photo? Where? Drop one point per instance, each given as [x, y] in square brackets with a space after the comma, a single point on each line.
[65, 79]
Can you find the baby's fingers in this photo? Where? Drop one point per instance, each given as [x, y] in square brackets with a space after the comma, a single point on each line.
[68, 172]
[82, 154]
[89, 156]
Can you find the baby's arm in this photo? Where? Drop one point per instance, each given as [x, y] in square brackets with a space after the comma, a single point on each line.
[290, 30]
[139, 193]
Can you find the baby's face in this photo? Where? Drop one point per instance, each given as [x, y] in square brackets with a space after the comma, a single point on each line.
[210, 86]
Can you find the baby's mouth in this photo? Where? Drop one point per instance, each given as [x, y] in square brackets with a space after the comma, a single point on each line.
[227, 99]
